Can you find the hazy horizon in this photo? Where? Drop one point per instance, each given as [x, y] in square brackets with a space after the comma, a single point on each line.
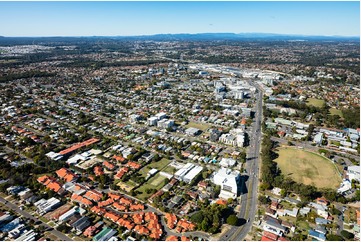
[83, 19]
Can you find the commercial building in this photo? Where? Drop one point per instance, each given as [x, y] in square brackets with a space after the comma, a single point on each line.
[43, 206]
[229, 181]
[105, 234]
[192, 174]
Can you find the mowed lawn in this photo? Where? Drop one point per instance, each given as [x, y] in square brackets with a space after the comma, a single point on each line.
[308, 168]
[315, 102]
[155, 182]
[200, 126]
[334, 111]
[159, 165]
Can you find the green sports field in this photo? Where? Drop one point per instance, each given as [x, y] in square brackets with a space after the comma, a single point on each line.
[315, 102]
[308, 168]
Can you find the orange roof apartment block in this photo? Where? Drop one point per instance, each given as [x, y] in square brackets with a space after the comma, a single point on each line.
[66, 174]
[184, 225]
[93, 195]
[108, 165]
[121, 172]
[112, 216]
[172, 238]
[78, 146]
[135, 207]
[81, 200]
[105, 203]
[114, 196]
[98, 171]
[138, 218]
[125, 223]
[119, 207]
[50, 183]
[133, 165]
[119, 158]
[98, 210]
[171, 220]
[140, 229]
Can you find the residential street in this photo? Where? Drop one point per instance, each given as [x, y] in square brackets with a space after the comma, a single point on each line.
[15, 208]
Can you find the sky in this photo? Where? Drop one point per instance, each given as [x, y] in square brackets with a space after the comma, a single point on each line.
[147, 18]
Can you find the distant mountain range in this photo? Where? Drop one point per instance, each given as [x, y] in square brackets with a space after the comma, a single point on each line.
[240, 36]
[206, 37]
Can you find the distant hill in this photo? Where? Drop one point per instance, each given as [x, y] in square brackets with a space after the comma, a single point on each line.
[183, 37]
[234, 36]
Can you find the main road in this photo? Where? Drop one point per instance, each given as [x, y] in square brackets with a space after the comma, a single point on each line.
[249, 194]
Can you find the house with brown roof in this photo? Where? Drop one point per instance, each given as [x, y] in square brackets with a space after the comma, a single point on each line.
[157, 194]
[185, 238]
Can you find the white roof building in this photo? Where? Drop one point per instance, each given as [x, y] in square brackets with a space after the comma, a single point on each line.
[183, 171]
[353, 173]
[228, 180]
[192, 174]
[227, 162]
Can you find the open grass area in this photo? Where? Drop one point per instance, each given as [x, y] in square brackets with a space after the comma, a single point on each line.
[159, 165]
[335, 111]
[200, 126]
[155, 182]
[308, 168]
[315, 102]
